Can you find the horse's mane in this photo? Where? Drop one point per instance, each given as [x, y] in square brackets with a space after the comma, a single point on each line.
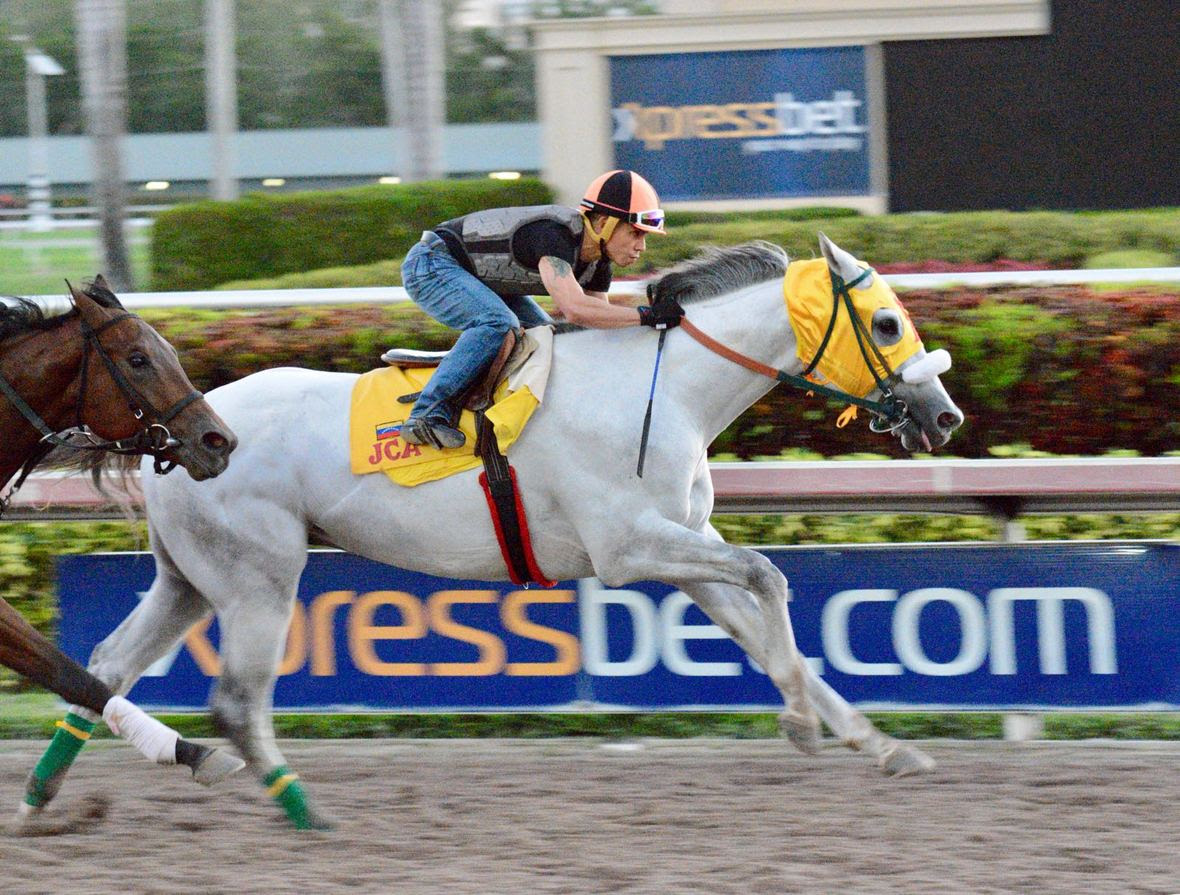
[21, 315]
[714, 271]
[718, 271]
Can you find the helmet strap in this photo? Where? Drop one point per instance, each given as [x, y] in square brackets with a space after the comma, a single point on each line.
[608, 228]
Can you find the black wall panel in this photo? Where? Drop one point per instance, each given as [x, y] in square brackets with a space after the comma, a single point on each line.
[1085, 117]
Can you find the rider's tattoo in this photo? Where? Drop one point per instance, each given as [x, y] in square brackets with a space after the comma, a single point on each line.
[561, 267]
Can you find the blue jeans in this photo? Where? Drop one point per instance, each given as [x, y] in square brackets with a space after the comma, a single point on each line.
[443, 288]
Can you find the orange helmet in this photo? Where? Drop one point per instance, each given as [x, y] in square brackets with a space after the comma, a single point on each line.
[627, 196]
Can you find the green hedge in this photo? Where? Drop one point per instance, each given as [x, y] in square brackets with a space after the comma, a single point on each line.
[198, 245]
[968, 239]
[353, 237]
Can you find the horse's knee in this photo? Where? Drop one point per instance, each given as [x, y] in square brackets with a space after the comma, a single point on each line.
[104, 664]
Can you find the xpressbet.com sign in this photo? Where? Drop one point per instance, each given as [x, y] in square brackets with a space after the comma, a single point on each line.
[821, 125]
[963, 626]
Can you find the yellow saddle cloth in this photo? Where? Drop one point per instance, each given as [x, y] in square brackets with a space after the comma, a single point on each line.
[376, 415]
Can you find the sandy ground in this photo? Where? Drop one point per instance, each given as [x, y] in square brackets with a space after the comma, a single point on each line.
[563, 816]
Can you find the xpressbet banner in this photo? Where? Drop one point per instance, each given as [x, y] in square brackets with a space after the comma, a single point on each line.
[744, 124]
[1070, 625]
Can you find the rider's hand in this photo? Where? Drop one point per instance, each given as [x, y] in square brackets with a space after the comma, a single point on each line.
[664, 315]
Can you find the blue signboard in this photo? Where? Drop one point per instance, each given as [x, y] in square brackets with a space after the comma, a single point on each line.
[744, 124]
[961, 626]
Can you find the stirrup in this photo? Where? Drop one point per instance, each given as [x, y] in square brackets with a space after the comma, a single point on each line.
[436, 434]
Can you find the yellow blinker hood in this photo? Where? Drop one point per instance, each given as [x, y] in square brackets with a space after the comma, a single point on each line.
[807, 290]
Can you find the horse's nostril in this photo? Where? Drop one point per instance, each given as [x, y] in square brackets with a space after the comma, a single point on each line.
[948, 420]
[215, 441]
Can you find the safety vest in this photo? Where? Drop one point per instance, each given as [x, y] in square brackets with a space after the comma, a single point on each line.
[487, 239]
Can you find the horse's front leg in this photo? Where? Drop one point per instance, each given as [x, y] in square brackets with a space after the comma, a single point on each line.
[660, 549]
[736, 611]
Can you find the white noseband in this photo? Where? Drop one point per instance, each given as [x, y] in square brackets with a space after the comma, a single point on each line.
[933, 364]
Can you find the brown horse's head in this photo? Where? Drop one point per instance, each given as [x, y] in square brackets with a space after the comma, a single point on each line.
[134, 383]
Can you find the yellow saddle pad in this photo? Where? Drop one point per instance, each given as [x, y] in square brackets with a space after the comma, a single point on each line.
[376, 416]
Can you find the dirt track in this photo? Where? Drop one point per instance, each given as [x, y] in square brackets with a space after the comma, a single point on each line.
[662, 817]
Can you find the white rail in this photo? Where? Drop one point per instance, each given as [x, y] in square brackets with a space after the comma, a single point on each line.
[265, 298]
[1005, 488]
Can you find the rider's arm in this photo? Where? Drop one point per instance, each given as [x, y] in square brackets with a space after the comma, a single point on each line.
[591, 309]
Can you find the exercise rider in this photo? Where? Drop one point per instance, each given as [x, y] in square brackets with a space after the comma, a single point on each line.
[476, 273]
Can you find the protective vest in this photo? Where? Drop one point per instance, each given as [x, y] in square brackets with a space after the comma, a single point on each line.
[487, 238]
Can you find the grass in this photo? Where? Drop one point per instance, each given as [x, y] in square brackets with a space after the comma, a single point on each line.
[1125, 258]
[39, 263]
[32, 716]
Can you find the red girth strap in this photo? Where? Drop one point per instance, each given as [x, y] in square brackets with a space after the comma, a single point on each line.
[498, 481]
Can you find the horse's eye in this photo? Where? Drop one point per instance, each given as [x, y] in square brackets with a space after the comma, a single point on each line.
[137, 359]
[886, 327]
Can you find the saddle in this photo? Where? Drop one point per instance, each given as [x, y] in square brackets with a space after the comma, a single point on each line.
[498, 479]
[478, 395]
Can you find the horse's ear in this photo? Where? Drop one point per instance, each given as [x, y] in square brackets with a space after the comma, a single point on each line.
[87, 307]
[839, 261]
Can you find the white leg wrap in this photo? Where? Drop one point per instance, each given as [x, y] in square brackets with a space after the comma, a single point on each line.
[155, 740]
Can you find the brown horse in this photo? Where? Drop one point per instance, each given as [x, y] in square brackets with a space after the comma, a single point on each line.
[94, 377]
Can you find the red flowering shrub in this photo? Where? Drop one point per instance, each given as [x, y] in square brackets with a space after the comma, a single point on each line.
[1066, 369]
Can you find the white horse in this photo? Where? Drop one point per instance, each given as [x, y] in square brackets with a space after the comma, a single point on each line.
[237, 545]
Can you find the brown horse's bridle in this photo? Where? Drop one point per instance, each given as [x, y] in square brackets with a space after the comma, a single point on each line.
[153, 438]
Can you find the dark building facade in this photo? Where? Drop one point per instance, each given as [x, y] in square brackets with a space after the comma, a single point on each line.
[1087, 116]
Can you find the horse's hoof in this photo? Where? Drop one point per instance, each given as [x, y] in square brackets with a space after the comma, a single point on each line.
[312, 819]
[906, 761]
[26, 820]
[80, 818]
[216, 766]
[804, 733]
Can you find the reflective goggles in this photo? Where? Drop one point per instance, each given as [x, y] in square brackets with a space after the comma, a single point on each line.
[653, 219]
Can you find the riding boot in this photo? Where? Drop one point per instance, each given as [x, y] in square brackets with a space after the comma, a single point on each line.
[433, 420]
[433, 432]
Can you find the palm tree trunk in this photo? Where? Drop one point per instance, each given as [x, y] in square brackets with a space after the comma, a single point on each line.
[102, 63]
[413, 61]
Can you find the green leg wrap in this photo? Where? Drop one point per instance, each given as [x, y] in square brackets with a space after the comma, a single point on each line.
[44, 782]
[282, 785]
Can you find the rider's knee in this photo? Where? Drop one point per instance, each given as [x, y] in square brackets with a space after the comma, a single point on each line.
[498, 320]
